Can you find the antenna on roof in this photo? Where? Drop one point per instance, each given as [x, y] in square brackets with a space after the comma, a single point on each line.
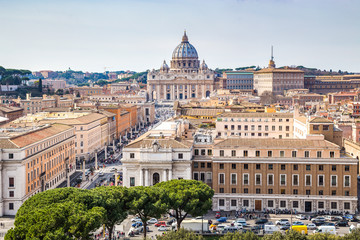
[272, 55]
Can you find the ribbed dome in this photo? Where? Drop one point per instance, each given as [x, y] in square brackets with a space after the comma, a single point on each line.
[203, 66]
[185, 49]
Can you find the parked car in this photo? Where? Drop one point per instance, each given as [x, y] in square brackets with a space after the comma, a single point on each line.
[328, 224]
[342, 223]
[261, 221]
[152, 221]
[285, 226]
[311, 226]
[222, 219]
[217, 215]
[301, 217]
[137, 224]
[136, 219]
[326, 229]
[171, 221]
[160, 223]
[230, 229]
[282, 222]
[241, 221]
[298, 223]
[162, 228]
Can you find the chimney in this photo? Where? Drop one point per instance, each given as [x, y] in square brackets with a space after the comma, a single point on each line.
[296, 111]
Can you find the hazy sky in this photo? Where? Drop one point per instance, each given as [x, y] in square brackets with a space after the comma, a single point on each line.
[90, 35]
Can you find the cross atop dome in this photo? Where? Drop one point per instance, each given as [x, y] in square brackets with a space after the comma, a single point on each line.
[185, 38]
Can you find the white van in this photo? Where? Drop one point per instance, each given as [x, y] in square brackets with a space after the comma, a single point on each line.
[270, 229]
[326, 229]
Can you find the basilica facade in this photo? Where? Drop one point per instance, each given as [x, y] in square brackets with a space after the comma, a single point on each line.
[186, 78]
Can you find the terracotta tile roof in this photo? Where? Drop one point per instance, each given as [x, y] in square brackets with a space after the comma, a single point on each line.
[258, 115]
[31, 137]
[320, 120]
[148, 142]
[201, 112]
[83, 119]
[262, 143]
[269, 70]
[302, 119]
[10, 109]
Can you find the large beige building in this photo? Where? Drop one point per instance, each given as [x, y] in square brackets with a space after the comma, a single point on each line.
[185, 78]
[32, 160]
[277, 80]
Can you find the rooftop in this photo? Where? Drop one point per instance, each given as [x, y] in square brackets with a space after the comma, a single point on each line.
[258, 115]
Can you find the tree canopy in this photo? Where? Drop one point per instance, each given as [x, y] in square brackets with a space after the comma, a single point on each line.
[187, 197]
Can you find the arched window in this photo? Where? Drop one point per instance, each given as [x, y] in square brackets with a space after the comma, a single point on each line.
[156, 178]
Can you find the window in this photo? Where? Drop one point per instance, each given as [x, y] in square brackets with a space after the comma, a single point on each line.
[132, 182]
[270, 191]
[221, 202]
[318, 154]
[326, 127]
[233, 178]
[283, 166]
[316, 127]
[208, 165]
[246, 166]
[11, 206]
[347, 193]
[233, 190]
[333, 167]
[321, 205]
[233, 203]
[269, 153]
[233, 153]
[321, 167]
[246, 179]
[11, 182]
[333, 180]
[270, 203]
[306, 154]
[293, 154]
[11, 193]
[307, 180]
[333, 192]
[11, 155]
[346, 205]
[233, 166]
[257, 153]
[221, 166]
[221, 178]
[295, 180]
[196, 176]
[258, 166]
[270, 179]
[180, 156]
[333, 205]
[282, 179]
[308, 167]
[332, 154]
[132, 155]
[245, 203]
[246, 190]
[307, 192]
[257, 179]
[273, 128]
[203, 151]
[282, 204]
[282, 154]
[346, 181]
[245, 153]
[221, 153]
[295, 191]
[221, 190]
[197, 152]
[295, 204]
[196, 164]
[209, 152]
[202, 165]
[270, 167]
[320, 180]
[295, 167]
[347, 168]
[258, 191]
[282, 191]
[321, 192]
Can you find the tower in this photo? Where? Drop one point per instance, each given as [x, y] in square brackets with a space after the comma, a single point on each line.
[271, 62]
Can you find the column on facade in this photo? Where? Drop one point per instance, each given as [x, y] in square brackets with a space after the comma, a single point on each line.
[146, 177]
[189, 91]
[177, 92]
[173, 92]
[125, 177]
[197, 91]
[203, 91]
[141, 177]
[170, 174]
[164, 175]
[157, 92]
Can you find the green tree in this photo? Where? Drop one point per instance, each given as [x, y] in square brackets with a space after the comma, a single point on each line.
[40, 85]
[322, 236]
[114, 200]
[240, 236]
[146, 203]
[295, 235]
[274, 236]
[180, 235]
[187, 197]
